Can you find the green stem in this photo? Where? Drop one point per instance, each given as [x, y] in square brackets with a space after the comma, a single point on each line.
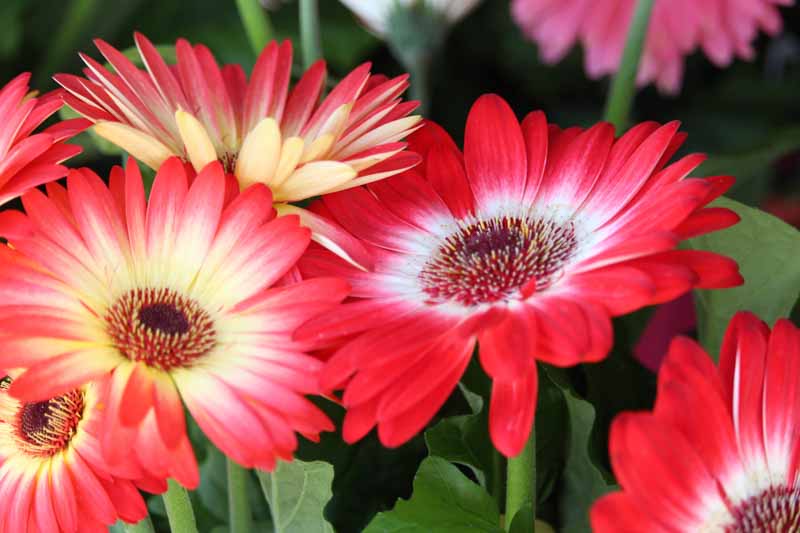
[309, 32]
[256, 22]
[179, 509]
[521, 481]
[419, 89]
[143, 526]
[498, 473]
[623, 88]
[238, 502]
[79, 16]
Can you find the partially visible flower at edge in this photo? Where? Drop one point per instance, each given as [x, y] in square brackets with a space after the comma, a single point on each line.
[258, 129]
[721, 449]
[527, 243]
[163, 303]
[723, 29]
[30, 159]
[52, 475]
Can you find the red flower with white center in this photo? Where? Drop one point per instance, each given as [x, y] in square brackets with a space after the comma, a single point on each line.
[720, 450]
[52, 475]
[161, 301]
[30, 159]
[723, 29]
[260, 131]
[529, 243]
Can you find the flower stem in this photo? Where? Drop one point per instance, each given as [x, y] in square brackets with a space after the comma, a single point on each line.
[256, 22]
[179, 509]
[309, 32]
[498, 481]
[623, 88]
[419, 89]
[238, 502]
[521, 481]
[143, 526]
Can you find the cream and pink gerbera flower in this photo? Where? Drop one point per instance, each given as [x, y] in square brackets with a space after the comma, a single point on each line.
[723, 29]
[527, 243]
[721, 450]
[259, 130]
[29, 159]
[161, 301]
[52, 475]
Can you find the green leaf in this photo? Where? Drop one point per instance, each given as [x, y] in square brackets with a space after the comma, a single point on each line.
[755, 162]
[444, 500]
[297, 493]
[768, 253]
[583, 481]
[522, 520]
[462, 439]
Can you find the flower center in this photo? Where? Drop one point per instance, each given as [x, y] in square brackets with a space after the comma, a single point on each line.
[775, 510]
[490, 260]
[160, 327]
[46, 428]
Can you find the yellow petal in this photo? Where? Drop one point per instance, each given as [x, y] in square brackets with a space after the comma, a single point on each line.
[313, 179]
[140, 145]
[318, 149]
[260, 153]
[291, 152]
[195, 138]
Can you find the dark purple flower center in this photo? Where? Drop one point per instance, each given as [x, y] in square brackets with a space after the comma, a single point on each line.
[492, 259]
[46, 428]
[160, 327]
[776, 510]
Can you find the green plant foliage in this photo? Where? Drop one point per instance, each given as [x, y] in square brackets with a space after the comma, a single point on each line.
[583, 479]
[297, 493]
[768, 253]
[462, 439]
[444, 500]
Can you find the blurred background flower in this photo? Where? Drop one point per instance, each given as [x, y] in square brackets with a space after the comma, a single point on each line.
[723, 29]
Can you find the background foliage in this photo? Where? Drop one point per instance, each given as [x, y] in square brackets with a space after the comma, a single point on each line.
[747, 117]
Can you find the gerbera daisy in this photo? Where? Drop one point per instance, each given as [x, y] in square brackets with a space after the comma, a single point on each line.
[164, 301]
[27, 159]
[52, 475]
[529, 243]
[723, 29]
[259, 130]
[720, 450]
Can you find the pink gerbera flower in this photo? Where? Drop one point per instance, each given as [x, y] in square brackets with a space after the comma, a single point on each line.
[721, 450]
[527, 244]
[52, 475]
[259, 130]
[28, 159]
[161, 301]
[723, 29]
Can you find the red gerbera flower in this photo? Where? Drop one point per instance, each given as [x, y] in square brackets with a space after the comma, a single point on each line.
[260, 131]
[52, 475]
[721, 450]
[527, 244]
[26, 159]
[164, 301]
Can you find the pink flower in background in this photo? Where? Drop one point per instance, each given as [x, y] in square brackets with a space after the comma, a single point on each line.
[722, 29]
